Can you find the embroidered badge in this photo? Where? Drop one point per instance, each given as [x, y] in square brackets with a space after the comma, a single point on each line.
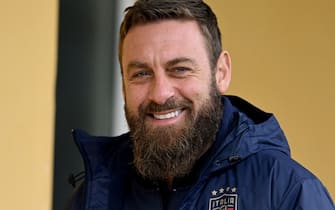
[223, 199]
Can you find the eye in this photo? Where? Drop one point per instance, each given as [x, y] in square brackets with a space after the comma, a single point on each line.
[140, 76]
[179, 71]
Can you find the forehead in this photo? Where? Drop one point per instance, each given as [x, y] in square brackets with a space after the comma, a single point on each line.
[164, 26]
[163, 38]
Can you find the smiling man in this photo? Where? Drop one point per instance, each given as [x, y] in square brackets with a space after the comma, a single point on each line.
[171, 95]
[189, 146]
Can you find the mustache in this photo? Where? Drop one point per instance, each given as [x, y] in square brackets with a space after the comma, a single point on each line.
[171, 103]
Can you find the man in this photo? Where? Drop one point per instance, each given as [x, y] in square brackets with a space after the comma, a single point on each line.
[189, 147]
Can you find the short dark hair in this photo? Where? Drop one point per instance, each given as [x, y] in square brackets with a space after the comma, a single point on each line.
[148, 11]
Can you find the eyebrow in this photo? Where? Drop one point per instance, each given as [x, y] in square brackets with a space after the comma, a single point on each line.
[136, 64]
[180, 60]
[139, 64]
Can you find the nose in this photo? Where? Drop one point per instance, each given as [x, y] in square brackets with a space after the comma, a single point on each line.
[161, 89]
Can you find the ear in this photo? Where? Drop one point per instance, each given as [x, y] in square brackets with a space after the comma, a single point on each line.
[223, 72]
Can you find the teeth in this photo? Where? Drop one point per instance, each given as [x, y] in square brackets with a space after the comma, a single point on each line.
[168, 115]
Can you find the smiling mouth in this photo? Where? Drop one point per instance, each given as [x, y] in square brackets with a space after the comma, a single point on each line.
[167, 115]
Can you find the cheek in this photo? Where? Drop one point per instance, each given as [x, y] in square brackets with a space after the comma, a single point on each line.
[134, 98]
[197, 93]
[196, 90]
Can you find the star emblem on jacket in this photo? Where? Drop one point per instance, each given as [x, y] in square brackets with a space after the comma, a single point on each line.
[223, 198]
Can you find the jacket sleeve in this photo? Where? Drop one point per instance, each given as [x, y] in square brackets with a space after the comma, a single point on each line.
[76, 201]
[310, 194]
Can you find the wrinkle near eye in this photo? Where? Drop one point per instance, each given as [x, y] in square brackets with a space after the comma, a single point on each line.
[179, 71]
[140, 76]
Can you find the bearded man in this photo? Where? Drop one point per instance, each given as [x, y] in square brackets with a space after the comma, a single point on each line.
[189, 146]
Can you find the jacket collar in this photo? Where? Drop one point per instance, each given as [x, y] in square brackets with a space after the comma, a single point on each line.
[244, 130]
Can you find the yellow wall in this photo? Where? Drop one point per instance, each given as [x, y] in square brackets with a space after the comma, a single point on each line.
[28, 32]
[284, 62]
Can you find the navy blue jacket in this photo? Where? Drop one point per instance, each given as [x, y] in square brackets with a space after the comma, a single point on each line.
[248, 167]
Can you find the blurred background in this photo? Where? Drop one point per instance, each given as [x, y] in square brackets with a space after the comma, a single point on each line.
[59, 71]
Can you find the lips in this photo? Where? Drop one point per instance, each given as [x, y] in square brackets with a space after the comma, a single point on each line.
[168, 115]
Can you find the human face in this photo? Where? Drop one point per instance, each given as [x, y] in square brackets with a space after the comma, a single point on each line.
[173, 105]
[164, 60]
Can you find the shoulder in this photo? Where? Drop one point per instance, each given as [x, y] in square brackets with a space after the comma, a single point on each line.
[292, 185]
[101, 147]
[280, 168]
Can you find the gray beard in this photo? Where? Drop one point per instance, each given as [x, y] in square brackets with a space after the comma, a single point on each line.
[172, 151]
